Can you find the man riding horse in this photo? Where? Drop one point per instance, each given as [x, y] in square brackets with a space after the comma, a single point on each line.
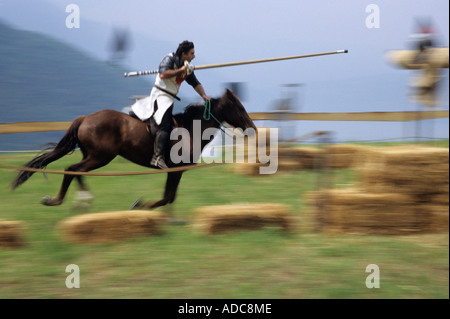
[173, 70]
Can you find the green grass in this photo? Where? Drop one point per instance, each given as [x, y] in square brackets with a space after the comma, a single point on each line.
[183, 264]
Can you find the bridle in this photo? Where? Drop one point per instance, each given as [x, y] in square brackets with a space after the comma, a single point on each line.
[207, 116]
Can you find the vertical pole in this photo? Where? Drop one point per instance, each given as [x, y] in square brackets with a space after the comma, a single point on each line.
[324, 177]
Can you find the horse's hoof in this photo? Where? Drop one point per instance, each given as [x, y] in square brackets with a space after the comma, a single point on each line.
[137, 204]
[50, 201]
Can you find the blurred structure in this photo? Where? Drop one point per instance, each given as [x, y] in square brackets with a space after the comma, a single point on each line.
[288, 103]
[238, 88]
[120, 44]
[428, 59]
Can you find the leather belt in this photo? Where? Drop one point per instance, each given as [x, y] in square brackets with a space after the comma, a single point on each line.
[165, 91]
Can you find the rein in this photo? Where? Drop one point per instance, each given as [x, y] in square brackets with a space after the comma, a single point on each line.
[207, 112]
[207, 116]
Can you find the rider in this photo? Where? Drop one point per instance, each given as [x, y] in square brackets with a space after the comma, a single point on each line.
[173, 70]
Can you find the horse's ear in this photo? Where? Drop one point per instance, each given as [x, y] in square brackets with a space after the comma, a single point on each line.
[229, 93]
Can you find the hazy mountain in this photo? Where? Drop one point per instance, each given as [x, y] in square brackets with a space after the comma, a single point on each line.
[42, 79]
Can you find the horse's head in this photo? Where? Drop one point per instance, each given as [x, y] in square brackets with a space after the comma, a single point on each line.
[230, 110]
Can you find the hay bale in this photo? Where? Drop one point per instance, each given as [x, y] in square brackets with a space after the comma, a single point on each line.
[355, 211]
[226, 218]
[439, 199]
[415, 181]
[255, 169]
[408, 155]
[438, 218]
[12, 234]
[410, 170]
[404, 190]
[345, 155]
[249, 169]
[307, 157]
[101, 228]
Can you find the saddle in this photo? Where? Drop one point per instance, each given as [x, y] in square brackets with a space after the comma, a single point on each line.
[152, 127]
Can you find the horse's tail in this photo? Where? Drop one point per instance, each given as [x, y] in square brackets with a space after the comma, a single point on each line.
[66, 145]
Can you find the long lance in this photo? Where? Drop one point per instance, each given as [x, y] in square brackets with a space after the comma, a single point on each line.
[221, 65]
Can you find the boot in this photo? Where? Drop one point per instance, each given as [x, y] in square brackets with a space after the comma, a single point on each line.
[161, 141]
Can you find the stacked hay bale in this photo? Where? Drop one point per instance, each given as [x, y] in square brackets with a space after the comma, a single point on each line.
[226, 218]
[12, 234]
[345, 155]
[101, 228]
[298, 157]
[401, 191]
[304, 157]
[289, 159]
[418, 171]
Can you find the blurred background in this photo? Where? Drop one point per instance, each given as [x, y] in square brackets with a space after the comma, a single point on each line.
[63, 58]
[54, 70]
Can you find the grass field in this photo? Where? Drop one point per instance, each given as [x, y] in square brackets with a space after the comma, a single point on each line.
[183, 264]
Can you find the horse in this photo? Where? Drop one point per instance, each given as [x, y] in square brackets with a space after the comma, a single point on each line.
[103, 135]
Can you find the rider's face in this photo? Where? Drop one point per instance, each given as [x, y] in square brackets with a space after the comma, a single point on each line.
[189, 56]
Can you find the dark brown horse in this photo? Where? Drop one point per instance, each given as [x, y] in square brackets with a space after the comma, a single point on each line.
[104, 135]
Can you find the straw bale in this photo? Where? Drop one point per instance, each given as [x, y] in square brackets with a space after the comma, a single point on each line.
[420, 180]
[403, 190]
[226, 218]
[288, 165]
[12, 234]
[439, 199]
[345, 155]
[253, 169]
[307, 157]
[438, 217]
[101, 228]
[353, 211]
[249, 169]
[413, 170]
[289, 159]
[408, 155]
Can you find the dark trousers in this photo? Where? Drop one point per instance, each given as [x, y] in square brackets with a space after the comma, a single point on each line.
[167, 121]
[162, 138]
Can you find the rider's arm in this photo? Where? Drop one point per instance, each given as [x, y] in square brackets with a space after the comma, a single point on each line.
[199, 89]
[166, 67]
[171, 73]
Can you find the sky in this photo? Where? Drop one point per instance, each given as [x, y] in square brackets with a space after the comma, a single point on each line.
[235, 30]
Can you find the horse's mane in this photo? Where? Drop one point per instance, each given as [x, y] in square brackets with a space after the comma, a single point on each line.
[195, 111]
[192, 112]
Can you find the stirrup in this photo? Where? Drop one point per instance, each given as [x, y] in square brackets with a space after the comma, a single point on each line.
[159, 162]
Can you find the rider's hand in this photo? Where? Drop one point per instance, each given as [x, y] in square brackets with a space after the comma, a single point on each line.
[188, 67]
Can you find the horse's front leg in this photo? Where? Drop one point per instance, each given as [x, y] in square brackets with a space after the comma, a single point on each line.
[170, 192]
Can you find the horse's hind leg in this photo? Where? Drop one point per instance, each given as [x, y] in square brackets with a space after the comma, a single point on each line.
[85, 165]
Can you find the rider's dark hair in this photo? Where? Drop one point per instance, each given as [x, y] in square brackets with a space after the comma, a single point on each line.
[184, 47]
